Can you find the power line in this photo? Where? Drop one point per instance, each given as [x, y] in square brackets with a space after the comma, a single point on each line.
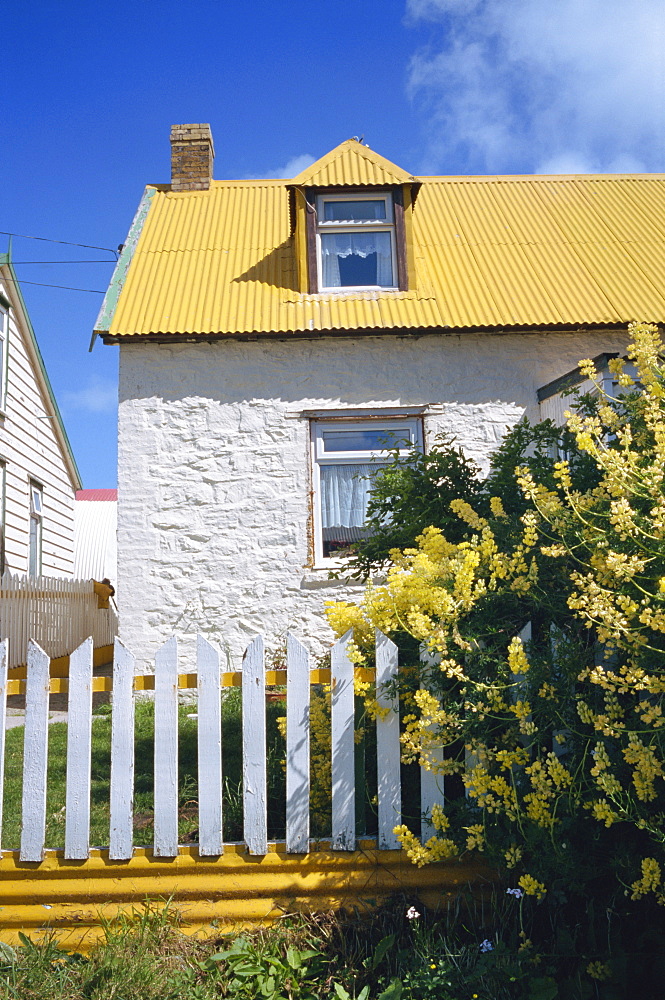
[45, 239]
[22, 263]
[43, 284]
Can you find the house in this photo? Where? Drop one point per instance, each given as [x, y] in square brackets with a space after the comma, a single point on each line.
[95, 529]
[38, 473]
[276, 335]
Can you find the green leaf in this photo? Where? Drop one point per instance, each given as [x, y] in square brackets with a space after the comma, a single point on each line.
[341, 993]
[293, 957]
[543, 988]
[7, 952]
[247, 970]
[381, 949]
[392, 992]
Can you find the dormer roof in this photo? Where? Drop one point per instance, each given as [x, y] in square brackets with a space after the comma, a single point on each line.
[352, 164]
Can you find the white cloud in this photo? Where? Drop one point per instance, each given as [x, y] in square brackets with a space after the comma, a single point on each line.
[294, 166]
[543, 85]
[99, 396]
[290, 169]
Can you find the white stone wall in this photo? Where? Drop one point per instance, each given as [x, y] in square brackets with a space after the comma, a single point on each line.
[214, 464]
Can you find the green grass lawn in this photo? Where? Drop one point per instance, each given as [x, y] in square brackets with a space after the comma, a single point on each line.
[144, 776]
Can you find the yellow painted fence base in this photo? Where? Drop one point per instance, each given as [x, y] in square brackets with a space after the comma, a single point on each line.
[213, 896]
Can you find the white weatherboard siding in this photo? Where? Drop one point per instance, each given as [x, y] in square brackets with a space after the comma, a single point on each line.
[214, 517]
[95, 545]
[30, 449]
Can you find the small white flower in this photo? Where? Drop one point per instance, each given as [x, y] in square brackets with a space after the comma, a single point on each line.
[515, 892]
[412, 913]
[486, 945]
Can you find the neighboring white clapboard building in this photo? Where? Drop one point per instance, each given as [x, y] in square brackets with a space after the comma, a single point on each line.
[95, 526]
[38, 473]
[275, 334]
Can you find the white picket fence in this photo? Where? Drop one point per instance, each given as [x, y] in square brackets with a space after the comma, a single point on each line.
[209, 680]
[56, 612]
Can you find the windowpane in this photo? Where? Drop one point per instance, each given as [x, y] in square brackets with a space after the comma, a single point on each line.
[35, 553]
[345, 491]
[356, 258]
[371, 439]
[348, 455]
[354, 211]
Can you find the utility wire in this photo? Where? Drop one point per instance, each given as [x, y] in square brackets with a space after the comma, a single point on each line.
[45, 239]
[43, 284]
[22, 263]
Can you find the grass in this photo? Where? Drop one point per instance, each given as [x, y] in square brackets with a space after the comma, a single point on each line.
[145, 956]
[144, 776]
[469, 952]
[188, 784]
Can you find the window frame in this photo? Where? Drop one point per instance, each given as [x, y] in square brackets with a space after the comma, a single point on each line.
[36, 525]
[4, 360]
[320, 458]
[314, 198]
[361, 225]
[3, 515]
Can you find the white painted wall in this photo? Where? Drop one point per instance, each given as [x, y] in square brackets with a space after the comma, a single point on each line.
[31, 450]
[214, 504]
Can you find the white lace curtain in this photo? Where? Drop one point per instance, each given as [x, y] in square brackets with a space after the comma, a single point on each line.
[345, 490]
[337, 245]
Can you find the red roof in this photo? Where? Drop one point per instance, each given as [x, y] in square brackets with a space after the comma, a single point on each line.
[96, 495]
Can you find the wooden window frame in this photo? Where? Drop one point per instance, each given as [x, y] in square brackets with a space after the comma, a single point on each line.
[391, 423]
[36, 519]
[4, 360]
[398, 230]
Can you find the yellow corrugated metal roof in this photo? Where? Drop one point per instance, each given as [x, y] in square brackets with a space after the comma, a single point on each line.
[351, 165]
[489, 252]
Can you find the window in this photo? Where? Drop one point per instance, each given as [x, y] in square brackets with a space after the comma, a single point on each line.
[355, 241]
[35, 540]
[347, 455]
[3, 356]
[3, 513]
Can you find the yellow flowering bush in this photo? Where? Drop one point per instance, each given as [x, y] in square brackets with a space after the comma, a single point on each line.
[544, 627]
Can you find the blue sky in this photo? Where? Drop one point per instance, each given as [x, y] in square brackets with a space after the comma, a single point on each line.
[439, 86]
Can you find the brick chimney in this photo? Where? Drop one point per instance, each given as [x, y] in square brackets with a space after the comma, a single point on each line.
[192, 155]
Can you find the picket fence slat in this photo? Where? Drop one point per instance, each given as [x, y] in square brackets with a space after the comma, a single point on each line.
[345, 759]
[166, 750]
[122, 755]
[56, 612]
[389, 786]
[35, 755]
[431, 782]
[343, 747]
[4, 667]
[297, 746]
[254, 783]
[79, 745]
[211, 839]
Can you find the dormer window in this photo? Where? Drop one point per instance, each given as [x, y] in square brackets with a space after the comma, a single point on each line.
[355, 237]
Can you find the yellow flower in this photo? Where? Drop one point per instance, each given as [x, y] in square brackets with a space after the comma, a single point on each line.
[651, 879]
[475, 840]
[597, 970]
[531, 886]
[517, 660]
[513, 855]
[496, 506]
